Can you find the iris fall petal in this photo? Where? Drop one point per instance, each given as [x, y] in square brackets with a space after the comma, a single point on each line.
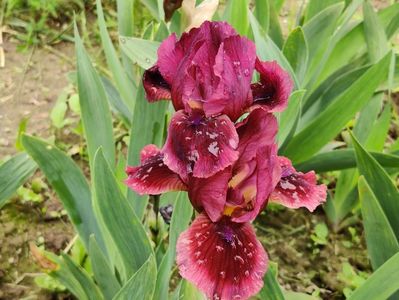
[296, 189]
[225, 260]
[153, 176]
[200, 146]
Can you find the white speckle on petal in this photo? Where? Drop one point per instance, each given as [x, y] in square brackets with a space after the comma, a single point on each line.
[233, 143]
[213, 148]
[287, 186]
[239, 258]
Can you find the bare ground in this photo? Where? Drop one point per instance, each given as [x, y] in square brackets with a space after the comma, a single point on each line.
[30, 83]
[29, 86]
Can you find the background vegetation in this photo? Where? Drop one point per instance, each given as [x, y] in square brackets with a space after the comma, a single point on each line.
[342, 122]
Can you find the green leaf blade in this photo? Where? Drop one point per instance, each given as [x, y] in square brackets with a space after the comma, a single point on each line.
[96, 115]
[103, 272]
[380, 237]
[382, 284]
[13, 173]
[331, 121]
[125, 235]
[380, 183]
[142, 284]
[376, 39]
[125, 86]
[69, 183]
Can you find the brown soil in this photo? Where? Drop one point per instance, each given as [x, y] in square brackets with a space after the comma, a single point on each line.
[30, 84]
[304, 266]
[21, 224]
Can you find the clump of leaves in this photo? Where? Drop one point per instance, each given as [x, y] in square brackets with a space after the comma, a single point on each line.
[351, 278]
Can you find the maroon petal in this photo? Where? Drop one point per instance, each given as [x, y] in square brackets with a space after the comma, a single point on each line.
[296, 189]
[153, 176]
[209, 194]
[234, 65]
[274, 88]
[155, 86]
[252, 184]
[198, 83]
[258, 130]
[200, 146]
[224, 259]
[257, 171]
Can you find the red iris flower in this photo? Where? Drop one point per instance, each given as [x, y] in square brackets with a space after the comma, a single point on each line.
[230, 169]
[207, 74]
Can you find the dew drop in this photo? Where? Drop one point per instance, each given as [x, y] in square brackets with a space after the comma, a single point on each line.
[246, 72]
[223, 274]
[246, 273]
[147, 60]
[123, 40]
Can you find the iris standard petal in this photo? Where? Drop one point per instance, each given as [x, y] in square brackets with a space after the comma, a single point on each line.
[155, 86]
[274, 88]
[234, 65]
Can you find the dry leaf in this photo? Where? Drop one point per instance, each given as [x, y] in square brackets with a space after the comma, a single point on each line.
[195, 16]
[41, 259]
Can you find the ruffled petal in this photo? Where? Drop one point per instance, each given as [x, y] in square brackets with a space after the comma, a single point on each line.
[234, 65]
[200, 146]
[274, 88]
[296, 189]
[153, 176]
[155, 86]
[198, 82]
[209, 194]
[225, 260]
[170, 55]
[257, 171]
[258, 130]
[252, 184]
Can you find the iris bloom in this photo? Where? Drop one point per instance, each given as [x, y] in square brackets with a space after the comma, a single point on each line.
[207, 74]
[230, 169]
[219, 252]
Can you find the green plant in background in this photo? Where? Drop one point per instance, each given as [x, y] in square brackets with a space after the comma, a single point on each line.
[32, 18]
[341, 69]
